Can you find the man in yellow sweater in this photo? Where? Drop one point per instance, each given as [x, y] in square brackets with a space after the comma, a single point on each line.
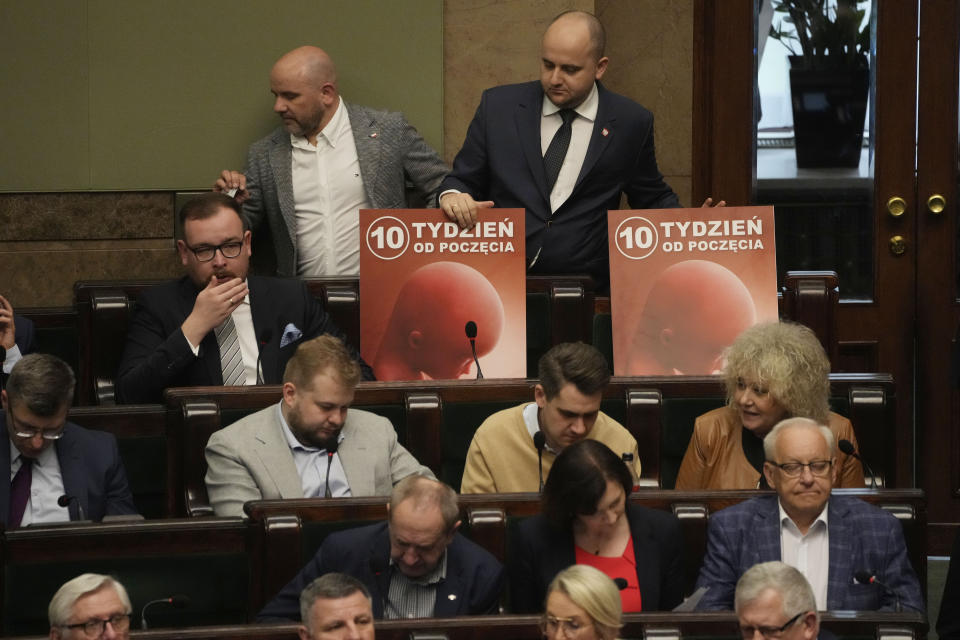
[504, 456]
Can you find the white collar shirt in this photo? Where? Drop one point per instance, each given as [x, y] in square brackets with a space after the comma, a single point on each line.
[328, 193]
[581, 128]
[46, 487]
[531, 418]
[312, 466]
[808, 553]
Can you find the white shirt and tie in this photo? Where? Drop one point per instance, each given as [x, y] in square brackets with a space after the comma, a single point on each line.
[246, 336]
[46, 487]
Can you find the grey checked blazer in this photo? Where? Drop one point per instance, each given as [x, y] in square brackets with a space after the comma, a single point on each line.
[390, 151]
[862, 538]
[251, 460]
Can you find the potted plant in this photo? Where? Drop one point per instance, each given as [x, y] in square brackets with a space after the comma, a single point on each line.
[829, 77]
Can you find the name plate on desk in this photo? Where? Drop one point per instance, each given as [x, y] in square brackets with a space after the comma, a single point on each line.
[685, 282]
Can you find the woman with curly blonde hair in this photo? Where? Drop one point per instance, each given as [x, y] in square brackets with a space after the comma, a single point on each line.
[774, 371]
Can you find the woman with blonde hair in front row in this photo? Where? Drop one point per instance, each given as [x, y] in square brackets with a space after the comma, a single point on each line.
[582, 603]
[774, 371]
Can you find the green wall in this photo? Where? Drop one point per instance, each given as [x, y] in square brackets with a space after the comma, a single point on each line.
[163, 94]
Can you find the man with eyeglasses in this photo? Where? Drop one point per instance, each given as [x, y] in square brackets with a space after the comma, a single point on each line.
[217, 325]
[775, 601]
[56, 471]
[90, 606]
[830, 539]
[415, 565]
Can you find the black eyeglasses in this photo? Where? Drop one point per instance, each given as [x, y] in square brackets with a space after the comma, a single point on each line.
[769, 632]
[794, 469]
[93, 628]
[227, 249]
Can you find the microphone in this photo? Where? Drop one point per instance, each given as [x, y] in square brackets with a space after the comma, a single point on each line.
[265, 336]
[331, 451]
[377, 571]
[177, 602]
[471, 329]
[621, 583]
[539, 441]
[66, 499]
[847, 447]
[866, 577]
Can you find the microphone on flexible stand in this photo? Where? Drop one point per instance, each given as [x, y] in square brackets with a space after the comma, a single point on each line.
[621, 583]
[539, 441]
[847, 447]
[265, 336]
[471, 330]
[66, 499]
[177, 602]
[866, 577]
[377, 571]
[331, 451]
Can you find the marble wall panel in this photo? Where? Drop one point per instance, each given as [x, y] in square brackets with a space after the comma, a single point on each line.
[41, 274]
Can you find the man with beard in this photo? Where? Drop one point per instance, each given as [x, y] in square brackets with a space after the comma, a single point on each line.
[309, 445]
[215, 325]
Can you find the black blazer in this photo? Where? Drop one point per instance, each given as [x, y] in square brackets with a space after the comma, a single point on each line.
[501, 161]
[541, 551]
[157, 355]
[472, 587]
[91, 469]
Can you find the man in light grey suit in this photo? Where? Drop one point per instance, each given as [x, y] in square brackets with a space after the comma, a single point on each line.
[309, 445]
[330, 159]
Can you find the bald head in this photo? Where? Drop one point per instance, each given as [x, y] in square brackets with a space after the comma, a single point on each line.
[573, 20]
[311, 64]
[304, 83]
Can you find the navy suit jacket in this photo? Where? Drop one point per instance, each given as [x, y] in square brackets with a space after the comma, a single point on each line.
[157, 355]
[862, 538]
[472, 586]
[91, 469]
[23, 334]
[501, 161]
[544, 550]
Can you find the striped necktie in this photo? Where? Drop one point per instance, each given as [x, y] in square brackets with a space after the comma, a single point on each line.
[231, 363]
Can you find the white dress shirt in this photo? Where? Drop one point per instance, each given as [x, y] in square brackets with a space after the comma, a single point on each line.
[328, 194]
[246, 336]
[809, 554]
[46, 487]
[580, 130]
[312, 466]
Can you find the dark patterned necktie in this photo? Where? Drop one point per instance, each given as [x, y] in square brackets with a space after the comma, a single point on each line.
[20, 492]
[557, 151]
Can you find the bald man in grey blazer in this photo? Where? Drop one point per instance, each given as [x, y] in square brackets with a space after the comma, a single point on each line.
[281, 183]
[311, 444]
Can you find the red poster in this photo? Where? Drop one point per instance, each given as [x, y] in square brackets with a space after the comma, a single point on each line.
[436, 299]
[685, 282]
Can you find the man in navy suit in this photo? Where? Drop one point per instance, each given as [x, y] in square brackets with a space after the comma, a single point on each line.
[415, 565]
[830, 539]
[564, 149]
[45, 458]
[179, 333]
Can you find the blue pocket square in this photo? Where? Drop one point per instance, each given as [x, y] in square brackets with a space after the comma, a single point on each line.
[290, 335]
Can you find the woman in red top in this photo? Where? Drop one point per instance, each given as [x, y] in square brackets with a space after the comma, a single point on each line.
[587, 519]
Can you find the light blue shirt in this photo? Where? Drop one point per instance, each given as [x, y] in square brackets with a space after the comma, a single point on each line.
[312, 466]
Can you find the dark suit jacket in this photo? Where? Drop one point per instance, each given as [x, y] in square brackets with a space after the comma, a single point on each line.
[157, 355]
[472, 586]
[91, 469]
[23, 335]
[542, 550]
[501, 161]
[948, 622]
[862, 538]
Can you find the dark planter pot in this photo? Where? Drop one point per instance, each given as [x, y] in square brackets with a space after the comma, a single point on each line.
[829, 107]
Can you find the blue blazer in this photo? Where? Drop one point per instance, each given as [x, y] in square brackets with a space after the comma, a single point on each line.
[472, 586]
[862, 538]
[91, 469]
[157, 355]
[501, 161]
